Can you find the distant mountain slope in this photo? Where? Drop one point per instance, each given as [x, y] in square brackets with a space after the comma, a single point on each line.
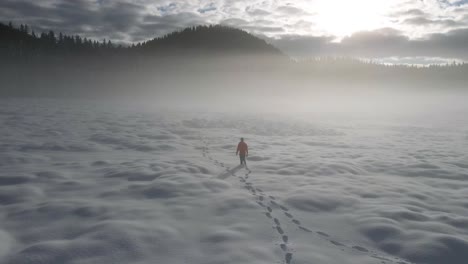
[214, 38]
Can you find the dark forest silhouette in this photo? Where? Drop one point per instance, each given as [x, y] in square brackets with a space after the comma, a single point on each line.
[20, 43]
[52, 64]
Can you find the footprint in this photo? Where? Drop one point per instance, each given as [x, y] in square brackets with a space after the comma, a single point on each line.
[297, 222]
[284, 208]
[285, 239]
[336, 243]
[323, 234]
[280, 230]
[268, 215]
[258, 189]
[274, 203]
[288, 258]
[261, 197]
[283, 247]
[269, 209]
[362, 249]
[385, 259]
[305, 229]
[288, 215]
[277, 222]
[261, 204]
[272, 197]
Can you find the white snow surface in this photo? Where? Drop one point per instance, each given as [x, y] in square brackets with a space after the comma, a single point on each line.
[85, 183]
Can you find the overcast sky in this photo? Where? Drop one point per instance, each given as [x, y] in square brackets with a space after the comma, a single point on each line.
[425, 30]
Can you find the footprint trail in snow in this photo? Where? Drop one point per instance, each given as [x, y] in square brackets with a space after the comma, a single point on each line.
[272, 208]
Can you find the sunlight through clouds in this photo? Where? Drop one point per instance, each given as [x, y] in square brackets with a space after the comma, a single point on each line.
[272, 18]
[311, 24]
[342, 18]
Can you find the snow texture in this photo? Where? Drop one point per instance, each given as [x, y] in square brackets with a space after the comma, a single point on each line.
[84, 183]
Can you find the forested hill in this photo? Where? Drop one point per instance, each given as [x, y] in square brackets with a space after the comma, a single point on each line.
[208, 57]
[212, 38]
[20, 42]
[55, 64]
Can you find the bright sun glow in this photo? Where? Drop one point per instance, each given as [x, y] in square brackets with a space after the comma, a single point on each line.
[344, 17]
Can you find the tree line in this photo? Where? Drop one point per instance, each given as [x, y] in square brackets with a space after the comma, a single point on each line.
[21, 42]
[50, 63]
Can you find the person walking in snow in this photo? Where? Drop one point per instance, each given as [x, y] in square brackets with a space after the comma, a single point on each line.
[243, 151]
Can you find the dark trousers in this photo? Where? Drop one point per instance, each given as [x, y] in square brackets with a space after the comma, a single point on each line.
[242, 159]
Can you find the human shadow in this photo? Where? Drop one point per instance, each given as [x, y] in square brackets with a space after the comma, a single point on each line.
[230, 172]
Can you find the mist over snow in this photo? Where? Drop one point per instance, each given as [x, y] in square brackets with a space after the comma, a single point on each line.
[95, 182]
[119, 122]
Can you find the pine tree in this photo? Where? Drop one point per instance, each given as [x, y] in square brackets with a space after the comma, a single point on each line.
[60, 39]
[51, 37]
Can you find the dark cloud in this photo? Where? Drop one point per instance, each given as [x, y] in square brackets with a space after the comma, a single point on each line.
[12, 8]
[417, 17]
[76, 17]
[208, 8]
[167, 8]
[234, 22]
[177, 20]
[410, 12]
[454, 3]
[257, 11]
[155, 25]
[305, 46]
[423, 21]
[290, 10]
[121, 21]
[122, 17]
[264, 29]
[256, 27]
[379, 44]
[374, 43]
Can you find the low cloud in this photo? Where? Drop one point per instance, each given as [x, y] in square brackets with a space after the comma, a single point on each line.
[422, 21]
[380, 43]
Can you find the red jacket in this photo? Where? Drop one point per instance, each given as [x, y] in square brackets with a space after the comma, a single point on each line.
[242, 148]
